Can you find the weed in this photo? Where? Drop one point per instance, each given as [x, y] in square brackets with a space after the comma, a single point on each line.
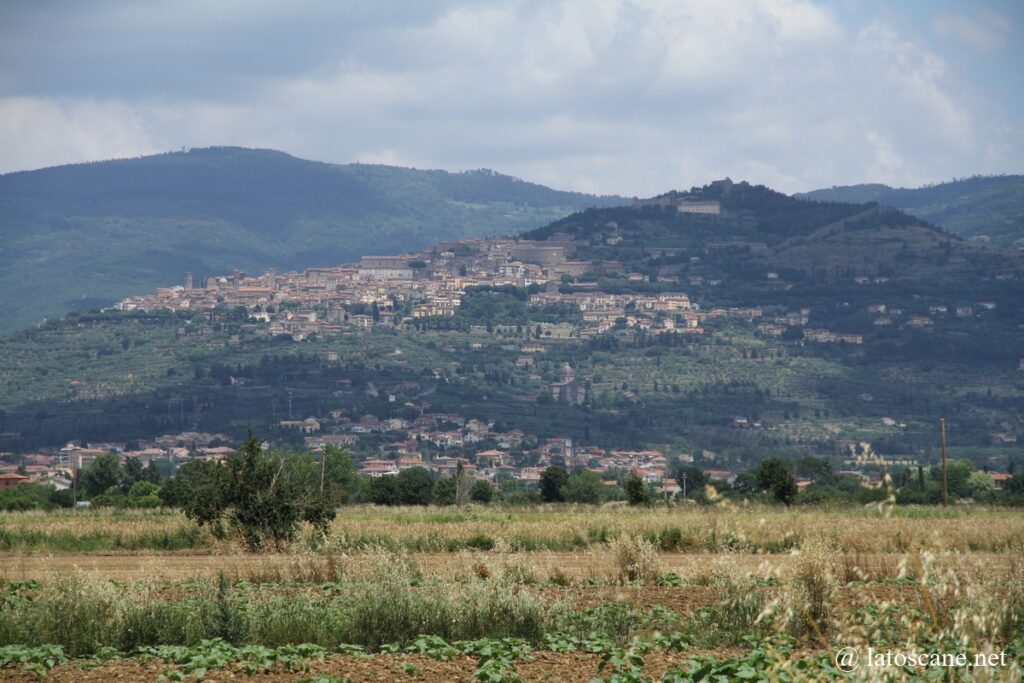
[636, 559]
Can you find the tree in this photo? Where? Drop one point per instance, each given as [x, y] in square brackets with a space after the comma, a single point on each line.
[263, 495]
[383, 491]
[812, 467]
[198, 489]
[980, 486]
[132, 473]
[583, 486]
[482, 492]
[463, 484]
[33, 497]
[151, 473]
[339, 474]
[551, 482]
[773, 475]
[444, 491]
[414, 486]
[746, 483]
[636, 492]
[144, 494]
[102, 473]
[958, 472]
[690, 479]
[1015, 484]
[267, 499]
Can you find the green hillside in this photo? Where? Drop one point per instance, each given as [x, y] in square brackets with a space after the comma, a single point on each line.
[991, 206]
[835, 259]
[759, 231]
[85, 235]
[114, 375]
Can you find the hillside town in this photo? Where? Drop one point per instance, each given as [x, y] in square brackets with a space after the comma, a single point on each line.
[402, 291]
[395, 291]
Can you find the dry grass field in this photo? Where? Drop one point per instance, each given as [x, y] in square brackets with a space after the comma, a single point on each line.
[552, 593]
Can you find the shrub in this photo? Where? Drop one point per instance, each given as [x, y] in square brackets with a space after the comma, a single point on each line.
[34, 497]
[444, 491]
[482, 492]
[414, 486]
[636, 559]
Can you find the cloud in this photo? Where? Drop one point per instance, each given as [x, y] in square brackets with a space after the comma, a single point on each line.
[989, 32]
[49, 133]
[599, 95]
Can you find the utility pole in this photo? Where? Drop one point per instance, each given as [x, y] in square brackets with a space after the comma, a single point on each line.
[323, 468]
[945, 481]
[684, 485]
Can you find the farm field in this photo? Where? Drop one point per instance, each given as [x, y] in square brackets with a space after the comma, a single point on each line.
[545, 593]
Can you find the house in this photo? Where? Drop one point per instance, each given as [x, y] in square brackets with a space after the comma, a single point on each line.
[11, 479]
[529, 474]
[999, 479]
[490, 458]
[409, 461]
[649, 476]
[146, 455]
[726, 476]
[450, 466]
[318, 443]
[215, 452]
[308, 426]
[379, 468]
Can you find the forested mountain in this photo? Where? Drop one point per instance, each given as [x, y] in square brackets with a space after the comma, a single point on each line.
[992, 206]
[84, 235]
[757, 231]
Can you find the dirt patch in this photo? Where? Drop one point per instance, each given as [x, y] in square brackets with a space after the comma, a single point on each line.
[539, 666]
[377, 668]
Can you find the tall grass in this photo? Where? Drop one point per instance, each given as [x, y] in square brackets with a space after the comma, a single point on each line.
[99, 530]
[566, 528]
[83, 614]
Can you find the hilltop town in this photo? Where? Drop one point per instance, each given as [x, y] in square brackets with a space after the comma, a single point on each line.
[396, 291]
[422, 289]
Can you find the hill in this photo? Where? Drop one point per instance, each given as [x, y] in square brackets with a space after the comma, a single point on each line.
[739, 233]
[980, 206]
[86, 235]
[814, 325]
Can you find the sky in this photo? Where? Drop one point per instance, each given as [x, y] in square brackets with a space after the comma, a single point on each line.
[605, 96]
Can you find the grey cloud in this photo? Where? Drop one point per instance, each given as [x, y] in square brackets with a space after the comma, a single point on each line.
[599, 95]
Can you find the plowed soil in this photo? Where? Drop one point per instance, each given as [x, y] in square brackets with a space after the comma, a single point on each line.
[541, 666]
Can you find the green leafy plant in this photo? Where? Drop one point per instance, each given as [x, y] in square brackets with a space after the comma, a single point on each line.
[39, 659]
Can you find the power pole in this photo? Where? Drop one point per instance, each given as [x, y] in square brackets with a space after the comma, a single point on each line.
[684, 485]
[945, 481]
[323, 468]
